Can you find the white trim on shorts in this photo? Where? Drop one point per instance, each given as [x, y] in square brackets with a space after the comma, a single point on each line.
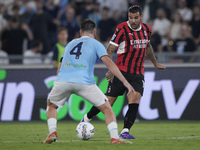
[61, 92]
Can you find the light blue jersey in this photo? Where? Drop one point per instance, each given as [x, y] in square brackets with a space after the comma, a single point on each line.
[79, 58]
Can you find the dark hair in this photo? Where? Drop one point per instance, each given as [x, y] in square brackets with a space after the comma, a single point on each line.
[14, 19]
[135, 9]
[88, 26]
[36, 43]
[15, 7]
[106, 9]
[60, 29]
[38, 1]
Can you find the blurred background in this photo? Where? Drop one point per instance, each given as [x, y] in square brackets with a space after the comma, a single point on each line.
[33, 32]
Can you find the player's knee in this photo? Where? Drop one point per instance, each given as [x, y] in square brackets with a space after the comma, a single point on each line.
[111, 102]
[134, 98]
[51, 105]
[105, 107]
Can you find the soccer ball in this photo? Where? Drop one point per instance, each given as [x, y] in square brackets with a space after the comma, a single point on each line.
[85, 130]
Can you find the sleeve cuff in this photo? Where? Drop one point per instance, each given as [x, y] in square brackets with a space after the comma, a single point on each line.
[111, 42]
[103, 55]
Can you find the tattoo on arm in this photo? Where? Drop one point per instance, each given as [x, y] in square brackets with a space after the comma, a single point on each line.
[150, 53]
[110, 50]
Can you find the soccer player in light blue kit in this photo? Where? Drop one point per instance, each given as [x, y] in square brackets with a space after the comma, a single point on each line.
[75, 76]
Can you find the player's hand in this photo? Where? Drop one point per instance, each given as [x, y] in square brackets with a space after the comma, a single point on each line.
[109, 76]
[25, 27]
[160, 66]
[129, 87]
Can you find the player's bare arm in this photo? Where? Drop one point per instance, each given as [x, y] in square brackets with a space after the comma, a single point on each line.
[114, 69]
[152, 57]
[55, 64]
[110, 50]
[60, 64]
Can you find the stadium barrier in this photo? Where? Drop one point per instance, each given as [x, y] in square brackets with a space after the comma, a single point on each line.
[164, 57]
[171, 94]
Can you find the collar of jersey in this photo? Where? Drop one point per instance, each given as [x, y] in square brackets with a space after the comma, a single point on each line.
[132, 28]
[85, 36]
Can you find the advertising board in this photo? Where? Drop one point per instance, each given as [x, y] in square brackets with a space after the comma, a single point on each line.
[170, 94]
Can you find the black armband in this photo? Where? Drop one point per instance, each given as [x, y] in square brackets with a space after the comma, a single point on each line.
[61, 59]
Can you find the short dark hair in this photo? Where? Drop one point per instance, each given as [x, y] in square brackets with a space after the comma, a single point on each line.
[60, 29]
[106, 9]
[15, 7]
[135, 9]
[36, 43]
[88, 26]
[14, 19]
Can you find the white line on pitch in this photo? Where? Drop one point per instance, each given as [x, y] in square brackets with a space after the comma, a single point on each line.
[102, 139]
[27, 142]
[13, 142]
[99, 139]
[68, 141]
[185, 137]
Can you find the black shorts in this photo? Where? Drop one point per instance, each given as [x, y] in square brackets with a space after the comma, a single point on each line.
[117, 88]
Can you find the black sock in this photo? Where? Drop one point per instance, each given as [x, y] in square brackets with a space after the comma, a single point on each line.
[93, 112]
[130, 115]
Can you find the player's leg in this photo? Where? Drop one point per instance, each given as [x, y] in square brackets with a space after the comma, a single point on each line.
[56, 98]
[114, 89]
[111, 123]
[51, 112]
[110, 119]
[95, 96]
[111, 100]
[133, 103]
[94, 110]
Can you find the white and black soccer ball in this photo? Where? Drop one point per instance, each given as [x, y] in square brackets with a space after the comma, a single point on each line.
[85, 130]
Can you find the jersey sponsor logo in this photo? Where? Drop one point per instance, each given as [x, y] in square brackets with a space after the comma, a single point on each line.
[66, 64]
[75, 65]
[139, 43]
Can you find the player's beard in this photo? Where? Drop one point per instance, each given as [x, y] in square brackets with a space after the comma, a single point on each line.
[137, 25]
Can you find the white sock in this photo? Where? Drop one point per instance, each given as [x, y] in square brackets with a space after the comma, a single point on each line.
[86, 119]
[52, 124]
[125, 130]
[113, 129]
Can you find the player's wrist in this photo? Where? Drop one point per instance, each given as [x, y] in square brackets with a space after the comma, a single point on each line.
[155, 64]
[125, 83]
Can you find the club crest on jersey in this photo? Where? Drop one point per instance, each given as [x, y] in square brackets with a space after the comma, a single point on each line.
[145, 33]
[109, 89]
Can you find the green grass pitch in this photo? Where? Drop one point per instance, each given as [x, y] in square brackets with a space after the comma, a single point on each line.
[150, 135]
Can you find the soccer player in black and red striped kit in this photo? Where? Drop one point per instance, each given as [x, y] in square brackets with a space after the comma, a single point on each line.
[132, 41]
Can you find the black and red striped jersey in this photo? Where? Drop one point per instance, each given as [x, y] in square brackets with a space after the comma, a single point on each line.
[132, 46]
